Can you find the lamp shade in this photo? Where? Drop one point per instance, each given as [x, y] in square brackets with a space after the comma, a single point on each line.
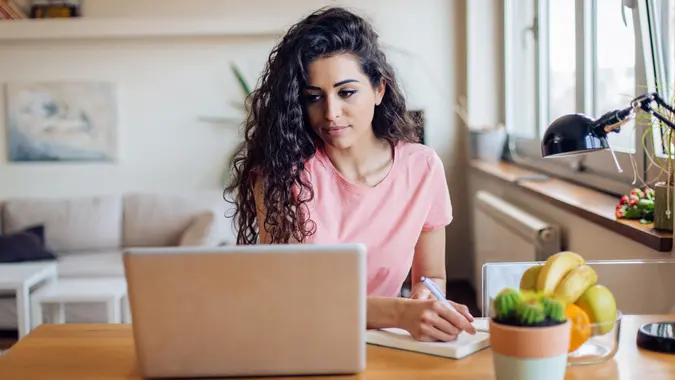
[572, 134]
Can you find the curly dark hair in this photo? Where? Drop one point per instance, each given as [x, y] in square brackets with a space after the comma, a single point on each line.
[278, 139]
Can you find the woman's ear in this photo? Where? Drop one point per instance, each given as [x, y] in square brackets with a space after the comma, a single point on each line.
[379, 91]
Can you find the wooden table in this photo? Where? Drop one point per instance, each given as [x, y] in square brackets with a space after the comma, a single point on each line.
[78, 352]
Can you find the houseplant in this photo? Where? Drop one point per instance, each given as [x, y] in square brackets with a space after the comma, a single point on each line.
[244, 86]
[529, 336]
[663, 189]
[242, 106]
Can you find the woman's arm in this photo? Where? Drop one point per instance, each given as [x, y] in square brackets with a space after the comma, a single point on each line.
[384, 312]
[429, 261]
[424, 317]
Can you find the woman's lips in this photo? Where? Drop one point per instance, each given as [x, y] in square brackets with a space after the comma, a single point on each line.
[334, 131]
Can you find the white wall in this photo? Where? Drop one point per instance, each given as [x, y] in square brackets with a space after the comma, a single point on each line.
[484, 35]
[165, 84]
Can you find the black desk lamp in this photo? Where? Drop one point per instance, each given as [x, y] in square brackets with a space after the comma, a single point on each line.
[577, 134]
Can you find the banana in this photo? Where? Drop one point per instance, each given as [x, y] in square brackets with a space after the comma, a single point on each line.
[575, 283]
[555, 268]
[529, 279]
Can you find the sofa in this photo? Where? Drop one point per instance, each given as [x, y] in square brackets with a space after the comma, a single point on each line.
[87, 235]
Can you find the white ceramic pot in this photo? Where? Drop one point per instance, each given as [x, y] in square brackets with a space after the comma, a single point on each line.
[529, 353]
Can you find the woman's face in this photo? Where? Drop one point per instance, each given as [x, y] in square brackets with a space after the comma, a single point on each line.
[340, 100]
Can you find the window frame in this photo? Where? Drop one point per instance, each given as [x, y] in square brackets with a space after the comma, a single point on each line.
[598, 170]
[663, 79]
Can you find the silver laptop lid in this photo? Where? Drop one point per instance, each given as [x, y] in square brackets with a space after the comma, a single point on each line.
[248, 310]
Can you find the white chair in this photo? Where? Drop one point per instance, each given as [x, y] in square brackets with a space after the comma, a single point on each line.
[639, 286]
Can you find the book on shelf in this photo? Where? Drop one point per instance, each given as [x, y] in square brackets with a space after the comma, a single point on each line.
[10, 11]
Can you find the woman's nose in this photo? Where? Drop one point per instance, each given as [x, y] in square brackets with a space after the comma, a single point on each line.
[333, 109]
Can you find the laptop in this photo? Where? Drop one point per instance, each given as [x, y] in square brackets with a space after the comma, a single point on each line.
[259, 310]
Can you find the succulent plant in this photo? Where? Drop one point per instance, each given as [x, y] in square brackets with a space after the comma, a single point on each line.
[528, 308]
[506, 302]
[554, 309]
[530, 312]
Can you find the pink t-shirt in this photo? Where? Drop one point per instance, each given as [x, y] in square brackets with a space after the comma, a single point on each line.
[387, 218]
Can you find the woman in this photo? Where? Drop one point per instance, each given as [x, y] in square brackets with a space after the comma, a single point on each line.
[331, 156]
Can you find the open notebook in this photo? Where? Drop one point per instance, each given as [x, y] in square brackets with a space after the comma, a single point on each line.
[464, 345]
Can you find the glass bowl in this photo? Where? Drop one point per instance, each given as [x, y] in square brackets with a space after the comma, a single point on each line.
[601, 346]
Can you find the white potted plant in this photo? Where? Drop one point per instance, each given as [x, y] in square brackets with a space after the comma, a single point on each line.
[529, 336]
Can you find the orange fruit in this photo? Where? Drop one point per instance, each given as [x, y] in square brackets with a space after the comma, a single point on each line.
[581, 326]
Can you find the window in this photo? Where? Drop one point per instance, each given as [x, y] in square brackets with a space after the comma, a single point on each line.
[664, 69]
[587, 56]
[613, 65]
[562, 70]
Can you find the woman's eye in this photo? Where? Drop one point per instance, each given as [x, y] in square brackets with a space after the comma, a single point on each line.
[347, 93]
[311, 98]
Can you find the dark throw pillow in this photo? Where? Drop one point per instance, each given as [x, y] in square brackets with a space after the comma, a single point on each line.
[26, 245]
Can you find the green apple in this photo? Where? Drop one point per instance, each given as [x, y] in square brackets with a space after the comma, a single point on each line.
[599, 303]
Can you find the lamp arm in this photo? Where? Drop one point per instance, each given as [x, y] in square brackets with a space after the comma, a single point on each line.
[613, 120]
[645, 102]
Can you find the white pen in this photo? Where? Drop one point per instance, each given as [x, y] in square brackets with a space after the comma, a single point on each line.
[436, 292]
[439, 296]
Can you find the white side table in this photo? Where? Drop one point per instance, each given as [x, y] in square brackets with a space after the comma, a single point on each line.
[109, 291]
[22, 278]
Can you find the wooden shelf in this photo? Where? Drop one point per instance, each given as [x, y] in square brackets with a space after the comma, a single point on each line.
[586, 203]
[106, 28]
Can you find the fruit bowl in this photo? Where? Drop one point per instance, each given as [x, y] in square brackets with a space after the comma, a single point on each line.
[601, 346]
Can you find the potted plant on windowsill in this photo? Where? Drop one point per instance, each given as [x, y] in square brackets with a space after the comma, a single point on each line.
[663, 212]
[663, 191]
[529, 336]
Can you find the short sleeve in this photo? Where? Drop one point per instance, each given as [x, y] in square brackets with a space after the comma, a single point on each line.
[439, 213]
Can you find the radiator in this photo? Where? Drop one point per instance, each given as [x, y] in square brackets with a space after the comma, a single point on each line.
[503, 232]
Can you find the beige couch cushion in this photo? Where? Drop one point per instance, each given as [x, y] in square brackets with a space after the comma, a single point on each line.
[152, 220]
[71, 224]
[91, 264]
[199, 231]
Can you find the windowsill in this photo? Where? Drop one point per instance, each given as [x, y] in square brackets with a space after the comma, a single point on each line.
[592, 205]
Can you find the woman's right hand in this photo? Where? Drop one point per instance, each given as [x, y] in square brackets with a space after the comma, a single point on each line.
[429, 320]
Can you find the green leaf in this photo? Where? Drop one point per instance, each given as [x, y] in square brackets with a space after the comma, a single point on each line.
[632, 213]
[646, 203]
[240, 79]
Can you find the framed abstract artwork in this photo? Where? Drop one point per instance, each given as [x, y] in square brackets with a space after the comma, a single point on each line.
[61, 121]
